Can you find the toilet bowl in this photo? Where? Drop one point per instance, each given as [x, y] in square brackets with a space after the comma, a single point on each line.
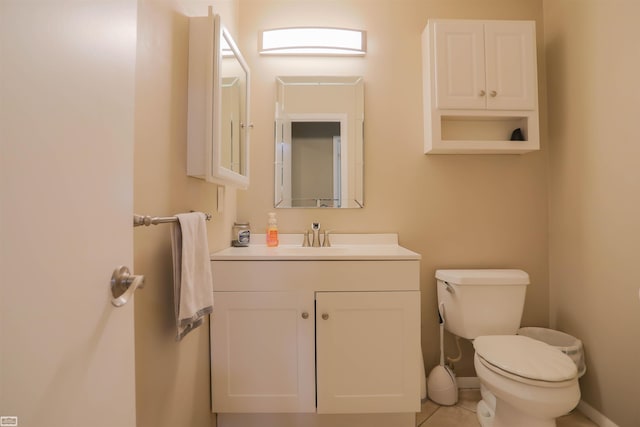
[533, 382]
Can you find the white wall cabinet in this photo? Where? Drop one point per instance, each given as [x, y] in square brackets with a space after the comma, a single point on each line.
[218, 123]
[480, 84]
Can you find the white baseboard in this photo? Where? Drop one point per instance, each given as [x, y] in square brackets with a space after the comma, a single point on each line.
[586, 409]
[468, 382]
[594, 415]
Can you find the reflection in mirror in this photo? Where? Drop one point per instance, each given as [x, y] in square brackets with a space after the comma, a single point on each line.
[315, 164]
[232, 101]
[319, 142]
[230, 124]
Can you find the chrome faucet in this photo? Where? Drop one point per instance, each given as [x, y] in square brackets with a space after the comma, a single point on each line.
[315, 229]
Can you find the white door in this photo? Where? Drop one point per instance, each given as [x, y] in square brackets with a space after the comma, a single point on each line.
[460, 67]
[262, 352]
[510, 49]
[368, 352]
[66, 198]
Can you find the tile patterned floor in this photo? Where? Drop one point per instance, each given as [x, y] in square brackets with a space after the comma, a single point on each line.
[464, 414]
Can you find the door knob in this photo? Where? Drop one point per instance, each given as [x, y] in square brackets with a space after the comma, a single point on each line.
[123, 285]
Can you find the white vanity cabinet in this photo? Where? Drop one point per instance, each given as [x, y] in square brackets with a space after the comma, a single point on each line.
[315, 333]
[480, 84]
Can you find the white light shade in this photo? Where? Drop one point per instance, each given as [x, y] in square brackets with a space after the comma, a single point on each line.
[312, 41]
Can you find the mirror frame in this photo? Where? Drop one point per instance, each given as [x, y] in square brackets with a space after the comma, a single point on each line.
[219, 173]
[354, 197]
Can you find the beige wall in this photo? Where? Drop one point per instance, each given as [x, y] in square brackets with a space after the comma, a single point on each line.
[172, 379]
[457, 211]
[593, 67]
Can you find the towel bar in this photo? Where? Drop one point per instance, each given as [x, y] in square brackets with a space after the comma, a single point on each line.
[147, 220]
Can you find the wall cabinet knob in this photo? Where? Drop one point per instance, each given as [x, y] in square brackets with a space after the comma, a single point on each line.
[493, 93]
[305, 315]
[482, 93]
[325, 316]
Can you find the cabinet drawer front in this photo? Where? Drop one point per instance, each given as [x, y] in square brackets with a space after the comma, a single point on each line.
[316, 275]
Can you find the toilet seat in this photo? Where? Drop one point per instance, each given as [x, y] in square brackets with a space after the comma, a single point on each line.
[525, 360]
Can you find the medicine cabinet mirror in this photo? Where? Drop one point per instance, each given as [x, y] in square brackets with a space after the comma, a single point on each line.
[319, 142]
[218, 105]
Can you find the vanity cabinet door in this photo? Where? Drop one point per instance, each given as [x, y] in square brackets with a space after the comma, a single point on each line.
[368, 352]
[262, 352]
[485, 65]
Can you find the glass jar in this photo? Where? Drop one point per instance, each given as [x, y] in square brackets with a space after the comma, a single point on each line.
[241, 235]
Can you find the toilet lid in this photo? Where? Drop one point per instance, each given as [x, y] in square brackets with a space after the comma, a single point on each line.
[525, 357]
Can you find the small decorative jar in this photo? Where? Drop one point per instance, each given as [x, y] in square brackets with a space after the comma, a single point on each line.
[241, 234]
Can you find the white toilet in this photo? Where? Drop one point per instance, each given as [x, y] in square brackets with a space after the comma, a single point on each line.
[524, 382]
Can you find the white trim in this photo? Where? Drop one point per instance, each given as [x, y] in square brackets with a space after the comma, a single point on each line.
[594, 415]
[468, 382]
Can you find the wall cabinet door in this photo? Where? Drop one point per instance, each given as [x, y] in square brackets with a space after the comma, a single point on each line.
[262, 351]
[460, 67]
[368, 352]
[485, 65]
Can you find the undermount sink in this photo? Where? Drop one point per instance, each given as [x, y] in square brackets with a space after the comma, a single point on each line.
[343, 247]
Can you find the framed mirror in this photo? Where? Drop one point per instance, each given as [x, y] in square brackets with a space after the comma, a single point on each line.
[319, 142]
[219, 88]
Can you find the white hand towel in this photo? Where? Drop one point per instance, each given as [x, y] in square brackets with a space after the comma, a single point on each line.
[193, 287]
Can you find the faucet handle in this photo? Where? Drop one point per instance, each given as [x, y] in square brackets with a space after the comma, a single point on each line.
[305, 239]
[325, 242]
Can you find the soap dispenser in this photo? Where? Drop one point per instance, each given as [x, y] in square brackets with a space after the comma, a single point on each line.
[272, 230]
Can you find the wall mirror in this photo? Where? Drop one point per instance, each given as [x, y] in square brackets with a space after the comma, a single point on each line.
[218, 128]
[319, 142]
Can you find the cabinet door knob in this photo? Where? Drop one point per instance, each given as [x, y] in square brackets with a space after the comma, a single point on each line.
[493, 93]
[325, 316]
[305, 315]
[482, 93]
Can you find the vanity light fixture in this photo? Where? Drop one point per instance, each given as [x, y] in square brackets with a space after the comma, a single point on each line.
[313, 41]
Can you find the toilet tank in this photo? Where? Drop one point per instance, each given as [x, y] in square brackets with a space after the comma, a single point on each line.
[481, 302]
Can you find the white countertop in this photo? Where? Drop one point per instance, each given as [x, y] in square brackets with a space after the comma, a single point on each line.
[343, 247]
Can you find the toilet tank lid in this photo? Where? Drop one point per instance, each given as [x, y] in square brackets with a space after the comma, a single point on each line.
[483, 277]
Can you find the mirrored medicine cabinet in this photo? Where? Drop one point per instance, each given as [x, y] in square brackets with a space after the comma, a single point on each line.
[218, 121]
[319, 142]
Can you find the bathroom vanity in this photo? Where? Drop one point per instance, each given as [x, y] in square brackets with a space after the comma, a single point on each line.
[301, 333]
